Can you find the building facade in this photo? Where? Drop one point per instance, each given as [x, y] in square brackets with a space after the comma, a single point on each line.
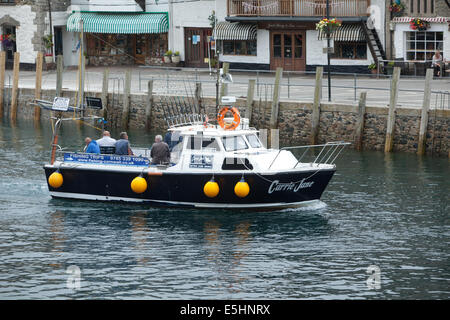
[418, 44]
[23, 25]
[250, 34]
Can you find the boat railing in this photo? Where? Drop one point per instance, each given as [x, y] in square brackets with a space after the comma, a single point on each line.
[319, 154]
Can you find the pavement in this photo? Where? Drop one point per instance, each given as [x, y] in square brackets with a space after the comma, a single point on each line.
[295, 86]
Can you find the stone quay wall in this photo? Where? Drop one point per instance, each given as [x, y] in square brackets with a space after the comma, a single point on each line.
[337, 121]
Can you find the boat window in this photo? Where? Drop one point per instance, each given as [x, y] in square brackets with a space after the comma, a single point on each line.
[236, 164]
[194, 143]
[199, 143]
[178, 146]
[254, 141]
[210, 143]
[234, 143]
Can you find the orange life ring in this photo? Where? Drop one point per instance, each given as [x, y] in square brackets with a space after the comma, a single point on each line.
[236, 118]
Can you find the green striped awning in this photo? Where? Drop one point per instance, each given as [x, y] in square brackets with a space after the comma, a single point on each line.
[346, 32]
[127, 23]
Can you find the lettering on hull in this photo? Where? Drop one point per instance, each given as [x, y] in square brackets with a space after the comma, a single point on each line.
[276, 186]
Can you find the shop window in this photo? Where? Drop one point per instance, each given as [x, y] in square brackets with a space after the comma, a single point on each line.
[423, 44]
[350, 50]
[239, 47]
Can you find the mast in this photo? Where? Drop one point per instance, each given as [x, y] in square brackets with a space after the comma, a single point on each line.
[81, 67]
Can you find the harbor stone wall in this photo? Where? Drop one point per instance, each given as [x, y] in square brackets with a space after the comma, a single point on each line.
[337, 121]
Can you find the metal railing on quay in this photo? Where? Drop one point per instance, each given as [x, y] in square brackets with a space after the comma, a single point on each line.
[292, 83]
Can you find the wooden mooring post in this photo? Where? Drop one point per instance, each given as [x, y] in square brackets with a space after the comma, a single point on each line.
[126, 100]
[104, 95]
[15, 87]
[249, 102]
[421, 147]
[149, 105]
[224, 87]
[59, 75]
[389, 143]
[198, 96]
[2, 80]
[38, 84]
[360, 121]
[276, 99]
[315, 117]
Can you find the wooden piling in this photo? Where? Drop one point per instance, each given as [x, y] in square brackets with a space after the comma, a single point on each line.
[2, 80]
[392, 105]
[59, 75]
[224, 87]
[276, 99]
[315, 117]
[38, 84]
[104, 95]
[15, 87]
[421, 147]
[149, 105]
[249, 102]
[360, 121]
[198, 96]
[126, 100]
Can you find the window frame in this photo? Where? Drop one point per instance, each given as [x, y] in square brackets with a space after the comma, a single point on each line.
[244, 43]
[338, 44]
[437, 44]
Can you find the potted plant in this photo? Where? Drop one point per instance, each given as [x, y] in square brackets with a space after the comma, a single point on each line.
[176, 57]
[397, 8]
[390, 67]
[48, 44]
[373, 68]
[213, 62]
[167, 56]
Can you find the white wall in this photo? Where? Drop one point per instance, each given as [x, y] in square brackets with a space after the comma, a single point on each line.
[105, 5]
[315, 55]
[400, 38]
[70, 40]
[24, 32]
[189, 14]
[377, 9]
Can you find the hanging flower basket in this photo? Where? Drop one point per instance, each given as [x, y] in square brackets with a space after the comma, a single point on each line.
[419, 24]
[7, 40]
[328, 26]
[397, 9]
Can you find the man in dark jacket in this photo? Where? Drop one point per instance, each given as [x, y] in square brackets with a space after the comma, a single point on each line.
[160, 151]
[123, 145]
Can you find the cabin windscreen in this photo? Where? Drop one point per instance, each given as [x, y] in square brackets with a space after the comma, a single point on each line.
[234, 143]
[253, 141]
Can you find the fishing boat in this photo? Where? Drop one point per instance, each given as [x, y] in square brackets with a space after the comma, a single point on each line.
[218, 164]
[222, 165]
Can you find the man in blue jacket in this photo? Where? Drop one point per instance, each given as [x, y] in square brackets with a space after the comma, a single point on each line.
[91, 146]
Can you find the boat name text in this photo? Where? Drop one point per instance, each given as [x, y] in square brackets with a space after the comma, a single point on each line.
[289, 186]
